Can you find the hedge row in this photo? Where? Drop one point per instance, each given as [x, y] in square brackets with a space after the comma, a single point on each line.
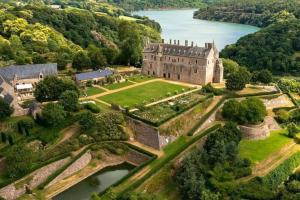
[282, 172]
[157, 124]
[168, 158]
[60, 170]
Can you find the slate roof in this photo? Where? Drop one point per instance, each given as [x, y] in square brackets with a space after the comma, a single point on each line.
[93, 75]
[28, 71]
[177, 50]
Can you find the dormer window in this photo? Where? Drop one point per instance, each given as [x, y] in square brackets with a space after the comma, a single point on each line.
[41, 75]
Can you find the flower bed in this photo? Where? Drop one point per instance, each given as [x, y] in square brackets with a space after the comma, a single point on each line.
[162, 112]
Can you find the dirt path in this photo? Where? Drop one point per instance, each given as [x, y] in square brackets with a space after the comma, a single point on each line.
[273, 161]
[67, 134]
[102, 88]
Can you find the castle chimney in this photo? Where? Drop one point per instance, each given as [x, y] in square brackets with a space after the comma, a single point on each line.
[178, 43]
[186, 43]
[170, 41]
[192, 44]
[175, 42]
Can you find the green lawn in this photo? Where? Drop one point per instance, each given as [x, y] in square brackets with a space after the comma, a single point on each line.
[140, 78]
[118, 85]
[92, 91]
[139, 94]
[258, 150]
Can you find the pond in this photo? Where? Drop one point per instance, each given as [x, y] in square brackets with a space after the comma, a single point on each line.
[96, 183]
[180, 25]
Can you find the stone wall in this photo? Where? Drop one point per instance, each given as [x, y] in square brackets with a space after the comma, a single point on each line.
[79, 164]
[144, 133]
[10, 192]
[260, 131]
[136, 158]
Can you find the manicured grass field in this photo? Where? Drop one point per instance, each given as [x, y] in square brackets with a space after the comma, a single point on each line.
[140, 78]
[139, 94]
[118, 85]
[92, 91]
[258, 150]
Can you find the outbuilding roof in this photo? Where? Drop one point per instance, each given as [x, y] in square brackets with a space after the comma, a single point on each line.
[93, 75]
[28, 71]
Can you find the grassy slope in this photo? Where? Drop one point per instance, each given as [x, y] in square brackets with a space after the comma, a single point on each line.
[258, 150]
[141, 93]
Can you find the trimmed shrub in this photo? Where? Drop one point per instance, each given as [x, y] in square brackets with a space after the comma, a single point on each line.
[92, 107]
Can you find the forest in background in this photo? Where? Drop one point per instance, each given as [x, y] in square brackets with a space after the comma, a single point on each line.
[33, 32]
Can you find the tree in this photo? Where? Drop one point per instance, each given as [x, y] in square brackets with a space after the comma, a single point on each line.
[5, 109]
[131, 43]
[53, 114]
[238, 80]
[69, 100]
[230, 67]
[292, 129]
[51, 88]
[81, 61]
[263, 76]
[87, 121]
[251, 110]
[96, 56]
[3, 137]
[19, 160]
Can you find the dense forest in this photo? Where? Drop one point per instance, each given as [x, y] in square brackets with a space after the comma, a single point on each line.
[152, 4]
[253, 12]
[275, 46]
[37, 33]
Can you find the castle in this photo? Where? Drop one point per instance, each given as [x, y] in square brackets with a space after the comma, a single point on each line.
[186, 63]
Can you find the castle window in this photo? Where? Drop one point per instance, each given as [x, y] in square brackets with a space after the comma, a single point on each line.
[169, 75]
[164, 75]
[41, 75]
[151, 65]
[178, 76]
[196, 61]
[178, 59]
[148, 72]
[195, 70]
[153, 73]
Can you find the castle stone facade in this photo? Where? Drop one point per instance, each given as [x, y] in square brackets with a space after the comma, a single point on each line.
[186, 63]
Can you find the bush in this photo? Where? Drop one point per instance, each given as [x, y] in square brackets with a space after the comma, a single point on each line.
[282, 172]
[5, 109]
[87, 120]
[69, 100]
[292, 130]
[92, 107]
[282, 116]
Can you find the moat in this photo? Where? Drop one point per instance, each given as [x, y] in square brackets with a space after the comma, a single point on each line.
[180, 25]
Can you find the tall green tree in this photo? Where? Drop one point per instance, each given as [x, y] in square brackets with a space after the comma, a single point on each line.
[69, 100]
[81, 61]
[5, 109]
[53, 114]
[51, 88]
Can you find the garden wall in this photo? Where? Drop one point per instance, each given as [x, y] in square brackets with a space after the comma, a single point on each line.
[147, 134]
[136, 158]
[12, 192]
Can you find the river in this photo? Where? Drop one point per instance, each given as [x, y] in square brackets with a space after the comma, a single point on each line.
[180, 25]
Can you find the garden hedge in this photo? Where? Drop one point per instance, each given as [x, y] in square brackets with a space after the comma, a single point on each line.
[282, 172]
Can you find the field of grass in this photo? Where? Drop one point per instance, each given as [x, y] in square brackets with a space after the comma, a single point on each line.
[139, 94]
[258, 150]
[140, 78]
[118, 85]
[90, 91]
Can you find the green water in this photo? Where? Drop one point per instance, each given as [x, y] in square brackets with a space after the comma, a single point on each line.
[95, 183]
[180, 25]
